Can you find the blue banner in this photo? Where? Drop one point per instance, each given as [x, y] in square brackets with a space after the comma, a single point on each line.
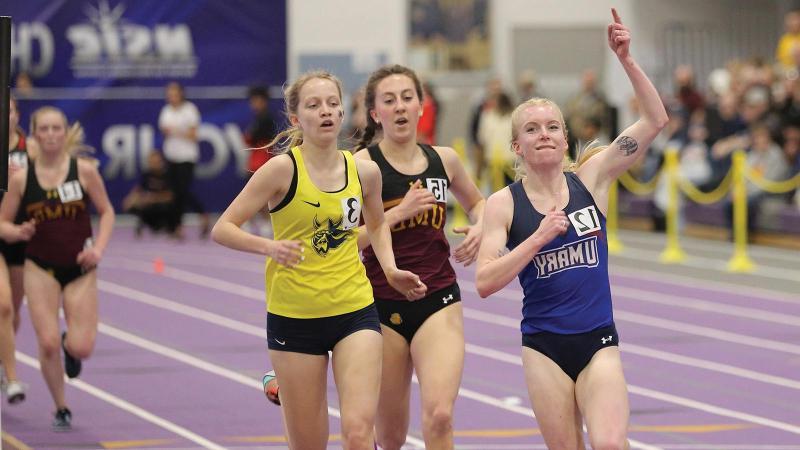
[106, 62]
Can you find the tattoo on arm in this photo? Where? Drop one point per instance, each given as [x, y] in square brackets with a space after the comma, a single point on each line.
[627, 145]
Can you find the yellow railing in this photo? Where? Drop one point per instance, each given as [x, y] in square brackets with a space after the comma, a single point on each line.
[734, 183]
[672, 253]
[636, 187]
[460, 218]
[773, 187]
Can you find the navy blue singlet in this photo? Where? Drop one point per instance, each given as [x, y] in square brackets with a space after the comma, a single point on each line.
[566, 284]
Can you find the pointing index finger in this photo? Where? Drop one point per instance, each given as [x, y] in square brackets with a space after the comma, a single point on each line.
[616, 16]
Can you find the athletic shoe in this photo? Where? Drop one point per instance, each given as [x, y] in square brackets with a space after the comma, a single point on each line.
[72, 365]
[270, 384]
[62, 420]
[15, 392]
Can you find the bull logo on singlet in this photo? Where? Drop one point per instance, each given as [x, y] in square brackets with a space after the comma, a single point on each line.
[329, 235]
[581, 253]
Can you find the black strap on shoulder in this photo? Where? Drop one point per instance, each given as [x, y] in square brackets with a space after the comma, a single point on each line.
[292, 187]
[434, 158]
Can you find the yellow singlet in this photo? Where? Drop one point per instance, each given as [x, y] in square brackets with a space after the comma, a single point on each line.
[331, 280]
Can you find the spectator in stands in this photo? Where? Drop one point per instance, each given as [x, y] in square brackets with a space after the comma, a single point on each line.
[790, 107]
[686, 92]
[259, 133]
[494, 136]
[764, 159]
[527, 87]
[755, 110]
[694, 167]
[152, 200]
[789, 40]
[426, 127]
[724, 119]
[261, 130]
[179, 122]
[588, 105]
[493, 87]
[791, 152]
[791, 147]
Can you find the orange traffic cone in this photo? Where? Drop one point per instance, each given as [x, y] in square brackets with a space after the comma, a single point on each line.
[158, 265]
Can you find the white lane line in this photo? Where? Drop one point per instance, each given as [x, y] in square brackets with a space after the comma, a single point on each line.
[249, 329]
[508, 294]
[516, 360]
[699, 262]
[686, 302]
[704, 284]
[129, 407]
[527, 412]
[675, 358]
[720, 335]
[724, 249]
[711, 366]
[187, 277]
[663, 446]
[189, 359]
[180, 308]
[474, 314]
[221, 262]
[668, 398]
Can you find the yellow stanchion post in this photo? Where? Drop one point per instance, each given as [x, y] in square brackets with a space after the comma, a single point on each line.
[672, 253]
[740, 261]
[614, 244]
[496, 169]
[459, 216]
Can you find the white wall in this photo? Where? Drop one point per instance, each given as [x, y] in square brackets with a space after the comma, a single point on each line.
[363, 28]
[508, 14]
[646, 19]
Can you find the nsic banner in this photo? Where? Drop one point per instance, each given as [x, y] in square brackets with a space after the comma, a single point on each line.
[106, 62]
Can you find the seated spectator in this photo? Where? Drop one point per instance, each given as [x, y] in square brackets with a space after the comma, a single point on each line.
[791, 152]
[765, 159]
[723, 118]
[587, 105]
[494, 136]
[152, 200]
[686, 93]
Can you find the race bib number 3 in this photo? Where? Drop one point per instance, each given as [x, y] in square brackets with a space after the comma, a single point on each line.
[585, 220]
[351, 212]
[70, 192]
[438, 187]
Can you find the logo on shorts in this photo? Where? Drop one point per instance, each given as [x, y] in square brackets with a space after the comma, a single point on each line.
[395, 319]
[608, 339]
[447, 299]
[283, 342]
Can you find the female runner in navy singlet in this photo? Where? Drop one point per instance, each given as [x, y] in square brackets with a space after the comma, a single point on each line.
[549, 228]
